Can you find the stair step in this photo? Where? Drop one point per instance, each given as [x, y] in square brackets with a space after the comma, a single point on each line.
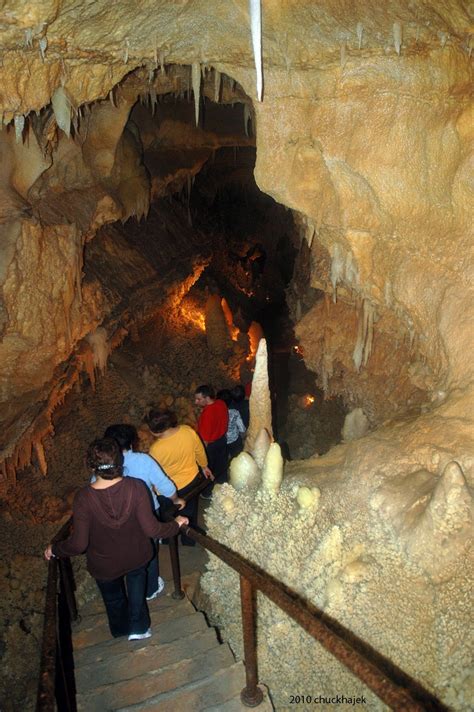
[95, 629]
[125, 666]
[211, 691]
[150, 684]
[166, 632]
[96, 605]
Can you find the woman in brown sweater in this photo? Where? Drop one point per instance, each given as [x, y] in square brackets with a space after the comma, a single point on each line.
[113, 524]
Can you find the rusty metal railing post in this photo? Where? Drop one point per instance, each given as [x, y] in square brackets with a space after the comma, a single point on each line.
[67, 584]
[251, 695]
[178, 593]
[46, 686]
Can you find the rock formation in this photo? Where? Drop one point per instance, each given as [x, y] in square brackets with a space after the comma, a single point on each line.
[362, 119]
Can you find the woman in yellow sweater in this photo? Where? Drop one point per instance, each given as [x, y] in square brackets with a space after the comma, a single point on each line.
[180, 452]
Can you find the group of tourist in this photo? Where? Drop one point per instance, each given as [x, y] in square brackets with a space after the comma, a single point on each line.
[118, 516]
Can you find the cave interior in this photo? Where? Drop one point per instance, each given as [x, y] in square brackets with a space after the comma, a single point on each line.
[158, 219]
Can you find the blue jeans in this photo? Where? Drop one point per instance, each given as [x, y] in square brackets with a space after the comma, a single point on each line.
[152, 572]
[127, 610]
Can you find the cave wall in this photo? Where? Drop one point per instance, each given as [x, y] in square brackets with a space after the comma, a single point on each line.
[365, 132]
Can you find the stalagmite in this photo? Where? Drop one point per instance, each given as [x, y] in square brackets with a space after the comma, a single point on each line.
[356, 425]
[196, 81]
[217, 333]
[397, 37]
[100, 348]
[260, 402]
[272, 474]
[261, 446]
[308, 499]
[244, 472]
[256, 28]
[62, 110]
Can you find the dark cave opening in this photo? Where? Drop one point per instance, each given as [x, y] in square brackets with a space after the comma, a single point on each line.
[248, 243]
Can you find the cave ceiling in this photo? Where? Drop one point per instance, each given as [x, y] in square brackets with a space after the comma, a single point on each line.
[365, 131]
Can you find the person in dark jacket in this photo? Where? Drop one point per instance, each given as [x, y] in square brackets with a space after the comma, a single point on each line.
[113, 524]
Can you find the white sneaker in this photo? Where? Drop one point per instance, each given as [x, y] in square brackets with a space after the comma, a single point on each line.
[140, 636]
[161, 585]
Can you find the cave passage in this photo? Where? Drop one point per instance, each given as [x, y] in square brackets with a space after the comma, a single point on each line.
[246, 244]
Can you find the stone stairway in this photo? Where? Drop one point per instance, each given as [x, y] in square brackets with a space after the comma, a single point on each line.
[182, 668]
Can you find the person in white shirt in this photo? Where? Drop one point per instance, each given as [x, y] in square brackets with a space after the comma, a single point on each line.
[235, 428]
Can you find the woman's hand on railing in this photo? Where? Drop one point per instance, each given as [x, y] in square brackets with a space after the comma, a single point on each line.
[48, 553]
[207, 473]
[180, 521]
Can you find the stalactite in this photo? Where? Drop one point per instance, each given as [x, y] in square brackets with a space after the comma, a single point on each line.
[162, 62]
[43, 45]
[217, 85]
[337, 268]
[29, 38]
[343, 59]
[247, 118]
[443, 38]
[126, 50]
[39, 449]
[62, 110]
[19, 123]
[360, 32]
[256, 29]
[196, 81]
[397, 37]
[365, 333]
[153, 100]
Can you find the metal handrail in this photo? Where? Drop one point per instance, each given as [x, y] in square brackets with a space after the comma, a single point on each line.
[384, 683]
[58, 574]
[393, 686]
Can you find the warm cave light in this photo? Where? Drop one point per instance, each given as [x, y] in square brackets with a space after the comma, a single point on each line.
[298, 350]
[193, 315]
[233, 330]
[308, 400]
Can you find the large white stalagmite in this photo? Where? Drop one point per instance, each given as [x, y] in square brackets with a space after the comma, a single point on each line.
[260, 402]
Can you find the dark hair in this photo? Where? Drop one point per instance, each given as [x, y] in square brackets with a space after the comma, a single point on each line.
[105, 458]
[160, 420]
[238, 393]
[126, 435]
[225, 396]
[206, 391]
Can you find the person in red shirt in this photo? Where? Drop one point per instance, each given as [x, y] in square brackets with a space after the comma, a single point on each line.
[212, 428]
